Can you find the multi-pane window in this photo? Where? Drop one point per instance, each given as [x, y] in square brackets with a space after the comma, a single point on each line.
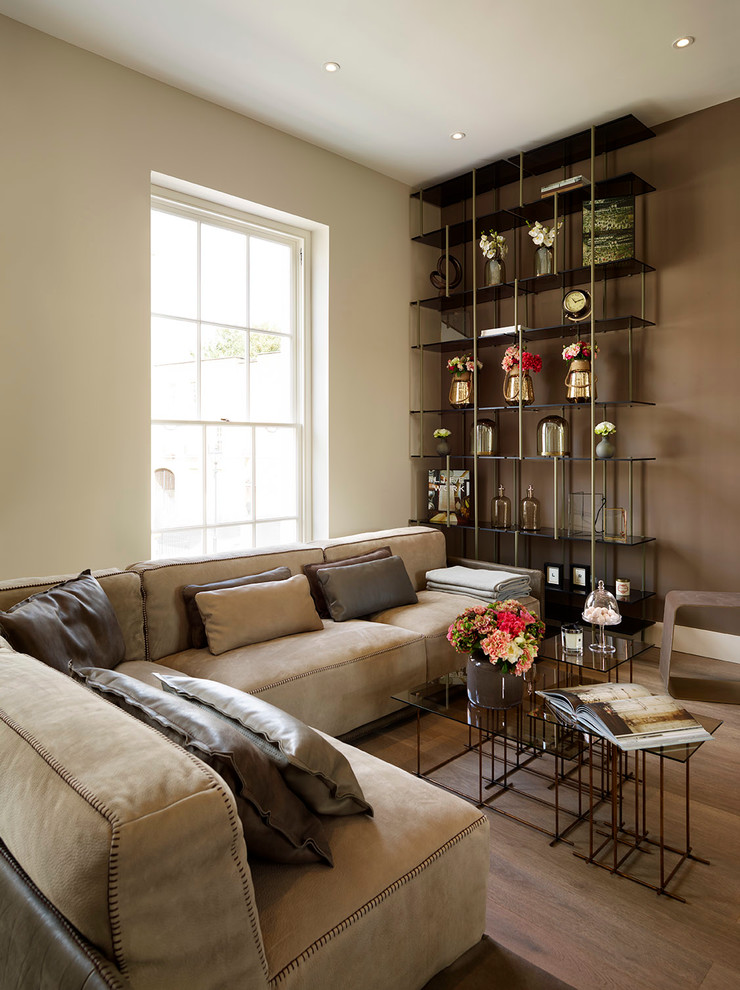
[227, 382]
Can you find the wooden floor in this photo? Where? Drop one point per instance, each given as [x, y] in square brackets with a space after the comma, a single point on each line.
[580, 923]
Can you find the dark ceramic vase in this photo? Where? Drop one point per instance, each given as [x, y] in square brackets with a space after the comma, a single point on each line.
[489, 686]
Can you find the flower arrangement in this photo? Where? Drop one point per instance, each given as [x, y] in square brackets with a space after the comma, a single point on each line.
[530, 362]
[441, 434]
[541, 234]
[605, 429]
[457, 365]
[506, 632]
[581, 349]
[493, 245]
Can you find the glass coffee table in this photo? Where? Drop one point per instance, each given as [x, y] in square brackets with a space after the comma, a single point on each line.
[506, 743]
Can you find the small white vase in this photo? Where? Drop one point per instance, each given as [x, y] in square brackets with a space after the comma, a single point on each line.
[605, 449]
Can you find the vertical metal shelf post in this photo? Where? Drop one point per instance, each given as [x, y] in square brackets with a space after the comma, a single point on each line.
[593, 356]
[475, 380]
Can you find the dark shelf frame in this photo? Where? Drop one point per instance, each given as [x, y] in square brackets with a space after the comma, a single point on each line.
[546, 533]
[537, 333]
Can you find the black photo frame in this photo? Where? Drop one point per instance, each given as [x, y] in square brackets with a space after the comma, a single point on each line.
[553, 575]
[580, 578]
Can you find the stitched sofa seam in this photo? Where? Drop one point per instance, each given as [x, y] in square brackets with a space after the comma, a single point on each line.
[116, 824]
[374, 902]
[335, 666]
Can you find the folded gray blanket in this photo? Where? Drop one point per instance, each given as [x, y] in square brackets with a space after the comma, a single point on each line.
[493, 584]
[484, 596]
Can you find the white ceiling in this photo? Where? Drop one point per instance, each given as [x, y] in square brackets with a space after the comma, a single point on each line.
[510, 74]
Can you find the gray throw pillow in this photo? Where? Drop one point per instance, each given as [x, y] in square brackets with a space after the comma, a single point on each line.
[196, 626]
[73, 620]
[311, 572]
[361, 589]
[314, 769]
[277, 824]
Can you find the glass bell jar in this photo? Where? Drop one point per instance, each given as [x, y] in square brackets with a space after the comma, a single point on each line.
[484, 431]
[553, 437]
[601, 610]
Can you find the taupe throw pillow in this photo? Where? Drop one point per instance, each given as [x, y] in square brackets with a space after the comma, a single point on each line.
[195, 623]
[256, 613]
[310, 765]
[361, 589]
[277, 824]
[311, 572]
[73, 620]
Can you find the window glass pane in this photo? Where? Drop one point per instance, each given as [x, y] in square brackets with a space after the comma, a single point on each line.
[276, 533]
[275, 464]
[270, 296]
[182, 543]
[228, 474]
[226, 539]
[223, 373]
[223, 275]
[174, 370]
[177, 485]
[270, 378]
[174, 265]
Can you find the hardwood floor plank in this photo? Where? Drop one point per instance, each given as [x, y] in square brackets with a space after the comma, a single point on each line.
[580, 923]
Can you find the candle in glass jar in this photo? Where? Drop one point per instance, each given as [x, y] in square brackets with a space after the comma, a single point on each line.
[622, 588]
[571, 637]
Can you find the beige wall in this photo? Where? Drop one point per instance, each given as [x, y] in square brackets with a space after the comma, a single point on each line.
[80, 138]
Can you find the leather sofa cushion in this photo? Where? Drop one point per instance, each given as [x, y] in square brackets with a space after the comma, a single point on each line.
[318, 773]
[257, 612]
[311, 572]
[198, 638]
[71, 621]
[359, 589]
[277, 825]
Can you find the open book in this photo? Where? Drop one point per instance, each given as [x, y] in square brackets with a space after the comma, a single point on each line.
[628, 715]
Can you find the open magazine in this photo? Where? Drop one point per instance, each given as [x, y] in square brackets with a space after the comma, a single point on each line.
[628, 715]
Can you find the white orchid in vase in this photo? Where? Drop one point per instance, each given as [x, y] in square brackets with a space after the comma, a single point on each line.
[542, 235]
[493, 244]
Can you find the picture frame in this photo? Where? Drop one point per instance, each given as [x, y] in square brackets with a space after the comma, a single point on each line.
[614, 220]
[580, 579]
[449, 500]
[554, 576]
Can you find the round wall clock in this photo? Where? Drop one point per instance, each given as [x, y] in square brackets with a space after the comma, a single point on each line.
[577, 305]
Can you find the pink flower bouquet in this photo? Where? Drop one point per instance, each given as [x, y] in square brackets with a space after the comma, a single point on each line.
[457, 365]
[530, 362]
[506, 632]
[581, 349]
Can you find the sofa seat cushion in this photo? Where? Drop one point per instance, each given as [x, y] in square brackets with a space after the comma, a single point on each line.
[388, 898]
[431, 617]
[334, 680]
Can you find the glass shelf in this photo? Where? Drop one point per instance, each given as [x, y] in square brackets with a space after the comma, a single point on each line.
[538, 333]
[577, 599]
[628, 184]
[461, 232]
[538, 283]
[532, 457]
[534, 408]
[610, 136]
[546, 533]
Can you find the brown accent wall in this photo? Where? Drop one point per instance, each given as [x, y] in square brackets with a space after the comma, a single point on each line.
[688, 364]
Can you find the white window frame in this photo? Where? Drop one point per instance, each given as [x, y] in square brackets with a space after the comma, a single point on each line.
[182, 204]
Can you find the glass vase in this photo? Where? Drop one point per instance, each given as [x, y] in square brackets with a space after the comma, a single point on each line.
[461, 389]
[543, 260]
[494, 272]
[511, 388]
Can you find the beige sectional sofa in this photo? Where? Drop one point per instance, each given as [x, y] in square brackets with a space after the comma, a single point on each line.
[134, 845]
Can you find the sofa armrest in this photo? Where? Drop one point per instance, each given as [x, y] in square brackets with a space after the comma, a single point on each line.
[536, 578]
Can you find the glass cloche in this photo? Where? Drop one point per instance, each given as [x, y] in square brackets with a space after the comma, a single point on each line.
[601, 610]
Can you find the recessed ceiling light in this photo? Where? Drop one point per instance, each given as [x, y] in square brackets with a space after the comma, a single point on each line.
[683, 42]
[332, 66]
[458, 135]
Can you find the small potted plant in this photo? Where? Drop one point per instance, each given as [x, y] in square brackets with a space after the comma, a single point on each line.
[544, 238]
[579, 379]
[461, 390]
[501, 640]
[605, 448]
[443, 447]
[494, 248]
[510, 364]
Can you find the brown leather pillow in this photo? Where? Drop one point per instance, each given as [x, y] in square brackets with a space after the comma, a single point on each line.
[277, 824]
[73, 620]
[195, 622]
[317, 592]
